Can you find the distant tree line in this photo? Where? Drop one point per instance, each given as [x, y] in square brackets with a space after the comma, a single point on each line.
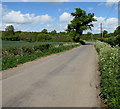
[44, 35]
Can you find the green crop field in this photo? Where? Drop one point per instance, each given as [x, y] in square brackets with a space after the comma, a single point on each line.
[8, 44]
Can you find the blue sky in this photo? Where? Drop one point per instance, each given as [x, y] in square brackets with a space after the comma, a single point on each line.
[35, 16]
[51, 8]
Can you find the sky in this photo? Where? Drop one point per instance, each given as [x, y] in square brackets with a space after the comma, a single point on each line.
[35, 16]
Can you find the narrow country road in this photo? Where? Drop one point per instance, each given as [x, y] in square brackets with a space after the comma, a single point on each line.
[66, 79]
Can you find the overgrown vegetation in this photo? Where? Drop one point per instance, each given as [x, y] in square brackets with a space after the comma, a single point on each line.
[113, 40]
[109, 60]
[18, 55]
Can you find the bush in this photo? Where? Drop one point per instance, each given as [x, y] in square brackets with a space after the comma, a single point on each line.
[113, 41]
[109, 60]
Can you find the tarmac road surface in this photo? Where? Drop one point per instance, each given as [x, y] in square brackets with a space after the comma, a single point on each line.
[67, 79]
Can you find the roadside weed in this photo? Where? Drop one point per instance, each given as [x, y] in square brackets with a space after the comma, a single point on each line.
[109, 60]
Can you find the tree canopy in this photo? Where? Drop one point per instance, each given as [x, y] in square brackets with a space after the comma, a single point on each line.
[81, 21]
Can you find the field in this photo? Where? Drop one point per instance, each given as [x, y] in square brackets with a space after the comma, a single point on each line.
[8, 44]
[19, 52]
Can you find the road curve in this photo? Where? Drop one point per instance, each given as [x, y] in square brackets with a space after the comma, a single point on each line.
[67, 79]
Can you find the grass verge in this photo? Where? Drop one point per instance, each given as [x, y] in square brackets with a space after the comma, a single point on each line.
[109, 61]
[13, 57]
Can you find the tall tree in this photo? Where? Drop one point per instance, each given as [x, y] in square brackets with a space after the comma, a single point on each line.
[82, 21]
[10, 30]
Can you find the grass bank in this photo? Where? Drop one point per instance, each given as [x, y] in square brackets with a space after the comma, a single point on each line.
[109, 61]
[19, 55]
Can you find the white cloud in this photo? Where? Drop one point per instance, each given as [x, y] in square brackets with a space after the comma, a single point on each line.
[65, 17]
[23, 21]
[100, 19]
[110, 2]
[50, 27]
[109, 24]
[62, 27]
[58, 27]
[19, 18]
[44, 19]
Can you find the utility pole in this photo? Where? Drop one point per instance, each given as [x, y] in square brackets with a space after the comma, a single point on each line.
[101, 31]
